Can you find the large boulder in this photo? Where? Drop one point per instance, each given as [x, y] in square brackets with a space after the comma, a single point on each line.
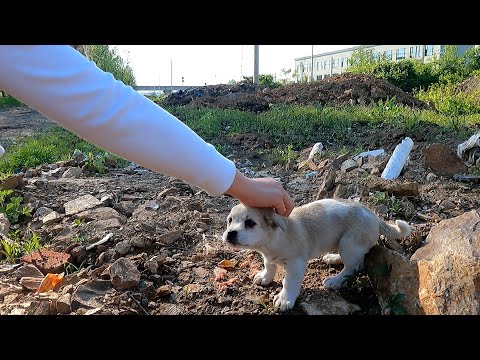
[442, 277]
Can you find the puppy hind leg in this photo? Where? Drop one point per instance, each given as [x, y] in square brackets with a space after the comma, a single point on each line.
[352, 256]
[265, 276]
[332, 259]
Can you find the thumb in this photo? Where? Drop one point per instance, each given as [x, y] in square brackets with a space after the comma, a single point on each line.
[280, 208]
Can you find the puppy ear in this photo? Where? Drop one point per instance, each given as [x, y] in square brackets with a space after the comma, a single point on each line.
[274, 220]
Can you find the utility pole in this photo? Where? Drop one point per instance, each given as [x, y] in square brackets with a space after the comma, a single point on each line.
[311, 72]
[255, 64]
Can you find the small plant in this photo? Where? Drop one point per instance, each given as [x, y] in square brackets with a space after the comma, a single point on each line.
[11, 249]
[13, 208]
[31, 244]
[379, 197]
[284, 155]
[95, 163]
[395, 305]
[79, 239]
[395, 206]
[77, 222]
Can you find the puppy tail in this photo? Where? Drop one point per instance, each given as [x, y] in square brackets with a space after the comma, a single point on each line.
[400, 230]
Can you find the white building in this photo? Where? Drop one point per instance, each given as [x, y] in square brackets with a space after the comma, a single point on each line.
[330, 63]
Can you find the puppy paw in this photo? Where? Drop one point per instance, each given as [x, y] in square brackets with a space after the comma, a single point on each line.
[332, 259]
[333, 282]
[283, 302]
[262, 278]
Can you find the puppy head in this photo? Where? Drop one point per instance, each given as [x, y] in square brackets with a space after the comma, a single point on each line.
[249, 227]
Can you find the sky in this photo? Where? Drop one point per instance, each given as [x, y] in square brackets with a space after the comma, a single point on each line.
[211, 64]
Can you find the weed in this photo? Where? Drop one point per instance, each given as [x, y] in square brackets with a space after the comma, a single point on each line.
[31, 244]
[395, 305]
[11, 249]
[12, 206]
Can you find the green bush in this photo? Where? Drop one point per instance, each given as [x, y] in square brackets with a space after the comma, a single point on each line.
[450, 102]
[9, 101]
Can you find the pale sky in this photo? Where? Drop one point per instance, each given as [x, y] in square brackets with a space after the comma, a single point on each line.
[211, 64]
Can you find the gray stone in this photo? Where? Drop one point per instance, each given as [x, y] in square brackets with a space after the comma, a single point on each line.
[51, 218]
[81, 204]
[170, 237]
[72, 172]
[327, 303]
[64, 305]
[27, 270]
[348, 165]
[152, 265]
[124, 274]
[90, 294]
[41, 212]
[122, 247]
[431, 177]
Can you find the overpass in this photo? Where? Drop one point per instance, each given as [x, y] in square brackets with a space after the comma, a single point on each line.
[166, 89]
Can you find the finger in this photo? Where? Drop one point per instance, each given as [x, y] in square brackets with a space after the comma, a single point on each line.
[279, 208]
[289, 205]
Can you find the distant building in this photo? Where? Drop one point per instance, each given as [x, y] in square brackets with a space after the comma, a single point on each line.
[336, 62]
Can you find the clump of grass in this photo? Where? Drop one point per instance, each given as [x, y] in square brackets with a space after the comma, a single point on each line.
[9, 101]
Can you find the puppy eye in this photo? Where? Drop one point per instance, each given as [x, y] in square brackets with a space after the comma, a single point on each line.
[250, 223]
[229, 220]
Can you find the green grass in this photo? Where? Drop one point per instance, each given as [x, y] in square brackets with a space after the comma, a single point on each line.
[302, 126]
[48, 146]
[9, 101]
[288, 128]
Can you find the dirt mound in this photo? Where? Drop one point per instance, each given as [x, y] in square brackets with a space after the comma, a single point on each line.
[470, 86]
[339, 89]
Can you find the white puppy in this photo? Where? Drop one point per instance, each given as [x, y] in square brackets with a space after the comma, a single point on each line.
[321, 227]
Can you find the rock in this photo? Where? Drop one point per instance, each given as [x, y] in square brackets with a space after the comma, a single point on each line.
[431, 177]
[108, 224]
[72, 172]
[4, 224]
[47, 261]
[443, 160]
[124, 274]
[81, 204]
[122, 247]
[447, 205]
[51, 218]
[152, 266]
[41, 212]
[38, 308]
[79, 253]
[395, 187]
[90, 294]
[165, 192]
[125, 207]
[64, 304]
[327, 303]
[340, 191]
[11, 182]
[7, 289]
[163, 290]
[170, 237]
[138, 242]
[101, 213]
[441, 277]
[348, 165]
[375, 171]
[160, 259]
[300, 184]
[201, 272]
[27, 270]
[31, 283]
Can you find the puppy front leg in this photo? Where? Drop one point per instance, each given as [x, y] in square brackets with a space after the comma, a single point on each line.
[292, 283]
[265, 276]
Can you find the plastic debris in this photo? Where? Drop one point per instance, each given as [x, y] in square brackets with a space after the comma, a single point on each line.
[398, 159]
[471, 148]
[99, 242]
[310, 174]
[316, 149]
[369, 153]
[2, 150]
[49, 282]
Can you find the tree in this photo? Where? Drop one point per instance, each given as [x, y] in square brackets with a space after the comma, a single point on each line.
[108, 59]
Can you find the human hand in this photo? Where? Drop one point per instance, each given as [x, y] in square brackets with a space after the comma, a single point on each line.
[261, 192]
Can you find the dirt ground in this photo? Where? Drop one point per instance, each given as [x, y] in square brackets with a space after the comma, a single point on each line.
[172, 231]
[345, 88]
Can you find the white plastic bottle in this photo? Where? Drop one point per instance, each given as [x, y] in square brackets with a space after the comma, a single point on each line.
[397, 160]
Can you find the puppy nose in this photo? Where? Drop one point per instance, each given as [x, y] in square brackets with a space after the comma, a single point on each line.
[232, 237]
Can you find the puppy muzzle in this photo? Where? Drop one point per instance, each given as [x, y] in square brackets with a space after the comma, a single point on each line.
[232, 237]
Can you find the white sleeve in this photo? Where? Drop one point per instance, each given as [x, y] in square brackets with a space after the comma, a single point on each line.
[63, 85]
